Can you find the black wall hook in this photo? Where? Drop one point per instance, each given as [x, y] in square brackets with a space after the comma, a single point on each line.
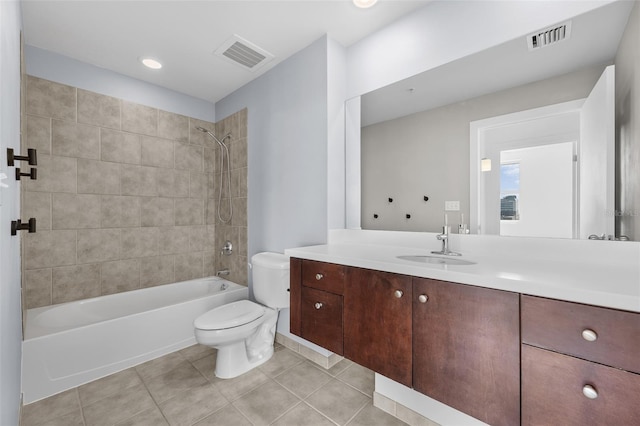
[375, 215]
[17, 225]
[33, 173]
[390, 200]
[408, 216]
[31, 157]
[425, 198]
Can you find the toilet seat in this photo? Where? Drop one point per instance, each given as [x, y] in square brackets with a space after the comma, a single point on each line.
[229, 316]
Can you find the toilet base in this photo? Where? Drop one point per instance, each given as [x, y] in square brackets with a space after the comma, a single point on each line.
[242, 356]
[232, 361]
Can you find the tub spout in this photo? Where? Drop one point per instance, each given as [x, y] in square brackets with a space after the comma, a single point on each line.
[223, 272]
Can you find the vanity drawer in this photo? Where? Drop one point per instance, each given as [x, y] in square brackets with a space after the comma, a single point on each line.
[323, 276]
[322, 319]
[570, 328]
[552, 391]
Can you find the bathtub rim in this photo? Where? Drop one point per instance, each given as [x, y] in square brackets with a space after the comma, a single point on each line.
[31, 331]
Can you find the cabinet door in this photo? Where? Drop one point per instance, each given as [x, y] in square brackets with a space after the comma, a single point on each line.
[322, 319]
[466, 349]
[377, 322]
[552, 391]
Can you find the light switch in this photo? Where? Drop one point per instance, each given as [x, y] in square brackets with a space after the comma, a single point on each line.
[452, 206]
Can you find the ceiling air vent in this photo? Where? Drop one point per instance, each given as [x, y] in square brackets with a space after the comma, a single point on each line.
[244, 53]
[549, 36]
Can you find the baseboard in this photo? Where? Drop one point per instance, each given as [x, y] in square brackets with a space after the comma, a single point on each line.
[322, 360]
[401, 412]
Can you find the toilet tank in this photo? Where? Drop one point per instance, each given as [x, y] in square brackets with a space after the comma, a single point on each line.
[270, 273]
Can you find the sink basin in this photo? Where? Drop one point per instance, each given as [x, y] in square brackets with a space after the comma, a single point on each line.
[437, 260]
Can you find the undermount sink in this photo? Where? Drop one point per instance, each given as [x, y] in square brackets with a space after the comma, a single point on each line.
[437, 260]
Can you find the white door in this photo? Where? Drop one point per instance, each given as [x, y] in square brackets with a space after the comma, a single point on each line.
[596, 159]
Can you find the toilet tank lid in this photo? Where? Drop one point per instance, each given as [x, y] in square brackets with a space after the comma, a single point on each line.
[271, 260]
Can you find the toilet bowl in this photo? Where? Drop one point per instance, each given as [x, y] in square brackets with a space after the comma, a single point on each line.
[243, 332]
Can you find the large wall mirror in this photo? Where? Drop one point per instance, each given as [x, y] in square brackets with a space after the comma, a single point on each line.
[419, 161]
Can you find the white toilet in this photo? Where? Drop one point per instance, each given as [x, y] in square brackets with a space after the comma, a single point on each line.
[243, 332]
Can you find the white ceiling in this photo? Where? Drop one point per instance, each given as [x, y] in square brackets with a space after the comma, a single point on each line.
[594, 39]
[184, 34]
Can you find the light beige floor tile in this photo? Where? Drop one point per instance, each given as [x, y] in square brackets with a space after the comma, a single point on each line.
[196, 352]
[158, 366]
[303, 379]
[359, 377]
[280, 362]
[228, 416]
[372, 416]
[50, 408]
[232, 389]
[183, 377]
[303, 415]
[338, 401]
[118, 407]
[340, 367]
[188, 407]
[266, 403]
[71, 419]
[207, 367]
[150, 417]
[101, 388]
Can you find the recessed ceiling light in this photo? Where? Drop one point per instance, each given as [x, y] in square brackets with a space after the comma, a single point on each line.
[151, 63]
[364, 3]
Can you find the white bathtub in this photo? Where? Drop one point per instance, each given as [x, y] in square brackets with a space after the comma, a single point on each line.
[73, 343]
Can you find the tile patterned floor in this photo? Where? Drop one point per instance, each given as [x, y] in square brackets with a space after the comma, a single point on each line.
[181, 389]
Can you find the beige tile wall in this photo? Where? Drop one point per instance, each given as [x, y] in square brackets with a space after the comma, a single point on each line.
[236, 229]
[125, 196]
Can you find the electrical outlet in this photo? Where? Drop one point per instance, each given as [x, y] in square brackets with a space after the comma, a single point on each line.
[452, 206]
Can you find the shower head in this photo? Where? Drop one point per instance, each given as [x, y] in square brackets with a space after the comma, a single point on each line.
[202, 129]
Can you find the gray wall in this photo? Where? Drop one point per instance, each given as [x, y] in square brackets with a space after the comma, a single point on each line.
[296, 124]
[427, 153]
[287, 151]
[628, 130]
[10, 312]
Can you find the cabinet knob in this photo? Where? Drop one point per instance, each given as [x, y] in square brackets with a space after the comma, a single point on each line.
[423, 298]
[318, 305]
[589, 335]
[319, 277]
[590, 392]
[398, 293]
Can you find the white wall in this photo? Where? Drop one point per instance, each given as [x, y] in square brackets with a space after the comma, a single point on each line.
[443, 31]
[10, 302]
[62, 69]
[287, 151]
[295, 123]
[336, 95]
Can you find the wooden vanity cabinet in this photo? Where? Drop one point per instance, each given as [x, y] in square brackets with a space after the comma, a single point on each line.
[579, 364]
[317, 303]
[552, 391]
[377, 322]
[466, 349]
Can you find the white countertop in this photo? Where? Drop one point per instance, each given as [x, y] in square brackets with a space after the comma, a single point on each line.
[574, 274]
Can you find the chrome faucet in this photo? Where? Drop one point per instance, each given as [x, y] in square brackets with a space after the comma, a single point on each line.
[444, 237]
[222, 272]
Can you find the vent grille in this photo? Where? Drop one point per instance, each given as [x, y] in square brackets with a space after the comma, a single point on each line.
[244, 53]
[549, 36]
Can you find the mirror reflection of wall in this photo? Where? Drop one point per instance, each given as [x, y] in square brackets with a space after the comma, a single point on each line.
[427, 153]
